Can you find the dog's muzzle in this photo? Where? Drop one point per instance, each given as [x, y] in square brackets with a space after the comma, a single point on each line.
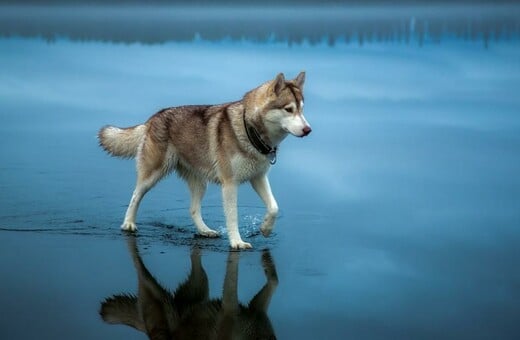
[306, 130]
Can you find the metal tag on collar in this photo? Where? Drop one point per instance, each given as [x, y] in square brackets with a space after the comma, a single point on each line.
[272, 157]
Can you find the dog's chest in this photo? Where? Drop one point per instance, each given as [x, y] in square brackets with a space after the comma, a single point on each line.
[244, 168]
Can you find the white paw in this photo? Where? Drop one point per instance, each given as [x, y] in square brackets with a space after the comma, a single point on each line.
[267, 227]
[239, 244]
[129, 226]
[266, 231]
[209, 233]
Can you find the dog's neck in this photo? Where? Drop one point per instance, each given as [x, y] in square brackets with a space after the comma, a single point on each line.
[264, 138]
[274, 133]
[260, 143]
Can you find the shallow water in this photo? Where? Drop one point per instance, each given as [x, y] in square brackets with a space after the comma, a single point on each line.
[399, 213]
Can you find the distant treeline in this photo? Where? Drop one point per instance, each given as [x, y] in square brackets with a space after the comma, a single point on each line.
[359, 24]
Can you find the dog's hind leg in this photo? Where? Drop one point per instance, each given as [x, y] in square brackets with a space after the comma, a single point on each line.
[195, 290]
[197, 189]
[144, 184]
[150, 169]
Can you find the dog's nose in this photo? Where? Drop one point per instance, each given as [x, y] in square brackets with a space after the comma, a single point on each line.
[306, 130]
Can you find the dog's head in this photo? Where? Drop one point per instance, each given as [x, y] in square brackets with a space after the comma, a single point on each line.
[286, 106]
[279, 105]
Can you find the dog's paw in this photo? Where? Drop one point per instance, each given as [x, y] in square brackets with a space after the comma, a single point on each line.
[209, 233]
[266, 231]
[269, 267]
[128, 226]
[267, 227]
[239, 244]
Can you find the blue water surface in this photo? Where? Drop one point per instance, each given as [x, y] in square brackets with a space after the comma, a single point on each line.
[399, 217]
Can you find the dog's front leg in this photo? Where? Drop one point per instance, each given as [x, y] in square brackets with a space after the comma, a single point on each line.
[226, 323]
[229, 196]
[263, 189]
[230, 289]
[261, 301]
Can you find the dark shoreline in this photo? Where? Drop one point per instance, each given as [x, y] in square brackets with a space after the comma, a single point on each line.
[359, 24]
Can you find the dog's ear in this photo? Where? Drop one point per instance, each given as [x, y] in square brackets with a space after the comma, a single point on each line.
[300, 79]
[279, 83]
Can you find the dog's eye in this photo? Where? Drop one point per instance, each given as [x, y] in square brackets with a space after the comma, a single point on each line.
[289, 109]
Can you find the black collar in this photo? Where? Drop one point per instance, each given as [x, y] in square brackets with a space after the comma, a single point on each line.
[258, 142]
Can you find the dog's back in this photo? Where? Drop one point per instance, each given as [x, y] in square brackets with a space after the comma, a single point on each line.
[194, 140]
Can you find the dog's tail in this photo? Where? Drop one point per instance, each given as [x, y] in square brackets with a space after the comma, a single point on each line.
[121, 142]
[122, 309]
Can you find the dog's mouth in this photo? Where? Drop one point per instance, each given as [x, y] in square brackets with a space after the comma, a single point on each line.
[305, 132]
[302, 133]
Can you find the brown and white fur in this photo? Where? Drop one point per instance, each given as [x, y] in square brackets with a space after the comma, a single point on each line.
[209, 143]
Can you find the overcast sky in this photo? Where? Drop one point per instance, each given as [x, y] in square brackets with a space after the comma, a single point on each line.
[317, 2]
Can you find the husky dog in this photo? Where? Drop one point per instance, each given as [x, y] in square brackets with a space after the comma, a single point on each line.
[226, 144]
[189, 313]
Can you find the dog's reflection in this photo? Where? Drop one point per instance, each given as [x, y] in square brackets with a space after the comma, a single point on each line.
[189, 313]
